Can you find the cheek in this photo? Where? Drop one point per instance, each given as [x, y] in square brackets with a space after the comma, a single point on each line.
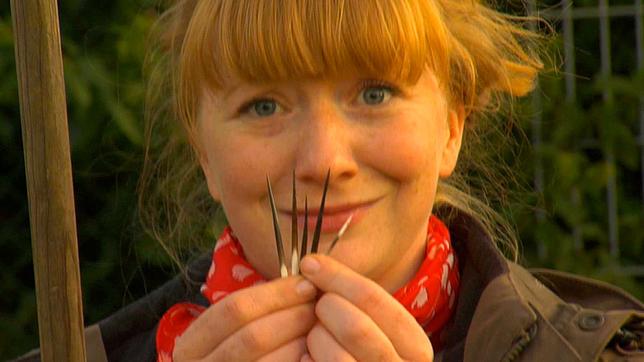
[238, 166]
[405, 151]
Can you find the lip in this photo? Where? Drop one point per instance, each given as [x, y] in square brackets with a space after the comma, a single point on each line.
[334, 216]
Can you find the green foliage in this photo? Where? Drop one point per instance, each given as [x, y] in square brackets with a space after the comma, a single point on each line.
[579, 140]
[104, 46]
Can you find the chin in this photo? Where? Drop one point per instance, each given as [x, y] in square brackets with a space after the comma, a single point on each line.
[361, 260]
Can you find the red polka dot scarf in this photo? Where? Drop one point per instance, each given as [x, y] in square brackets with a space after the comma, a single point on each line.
[429, 296]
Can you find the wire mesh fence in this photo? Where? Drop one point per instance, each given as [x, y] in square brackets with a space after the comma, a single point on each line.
[567, 15]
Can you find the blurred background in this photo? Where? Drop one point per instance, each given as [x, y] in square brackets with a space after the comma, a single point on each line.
[579, 155]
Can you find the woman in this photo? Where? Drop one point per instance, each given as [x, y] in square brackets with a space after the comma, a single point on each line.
[373, 97]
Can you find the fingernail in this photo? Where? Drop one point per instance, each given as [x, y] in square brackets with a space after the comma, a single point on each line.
[305, 288]
[309, 265]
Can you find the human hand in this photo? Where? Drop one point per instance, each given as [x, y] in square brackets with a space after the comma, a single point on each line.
[358, 319]
[266, 322]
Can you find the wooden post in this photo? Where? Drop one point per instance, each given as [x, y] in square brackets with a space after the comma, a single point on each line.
[49, 179]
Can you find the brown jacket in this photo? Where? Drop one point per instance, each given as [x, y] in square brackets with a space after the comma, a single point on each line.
[504, 313]
[507, 313]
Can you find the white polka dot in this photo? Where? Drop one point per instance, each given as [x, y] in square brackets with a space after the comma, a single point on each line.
[421, 299]
[422, 280]
[221, 243]
[444, 277]
[450, 260]
[432, 252]
[241, 272]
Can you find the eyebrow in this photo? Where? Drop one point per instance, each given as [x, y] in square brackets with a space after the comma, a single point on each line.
[230, 90]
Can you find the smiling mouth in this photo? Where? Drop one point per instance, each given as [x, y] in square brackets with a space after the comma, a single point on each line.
[334, 216]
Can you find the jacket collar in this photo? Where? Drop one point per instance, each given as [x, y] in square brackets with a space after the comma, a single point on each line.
[504, 311]
[490, 315]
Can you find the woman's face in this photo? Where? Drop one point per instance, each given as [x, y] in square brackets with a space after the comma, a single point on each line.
[386, 145]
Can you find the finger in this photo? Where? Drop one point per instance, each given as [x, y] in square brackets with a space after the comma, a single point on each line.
[292, 351]
[381, 307]
[323, 347]
[238, 309]
[354, 330]
[265, 334]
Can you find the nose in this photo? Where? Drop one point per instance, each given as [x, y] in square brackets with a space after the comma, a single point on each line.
[325, 146]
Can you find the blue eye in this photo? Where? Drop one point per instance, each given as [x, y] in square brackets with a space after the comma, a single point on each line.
[376, 94]
[264, 107]
[260, 107]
